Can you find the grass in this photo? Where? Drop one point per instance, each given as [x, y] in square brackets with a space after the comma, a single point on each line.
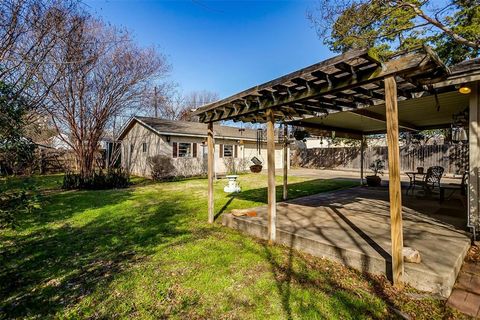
[44, 183]
[147, 252]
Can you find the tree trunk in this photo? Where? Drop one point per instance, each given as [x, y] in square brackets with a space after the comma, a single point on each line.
[85, 160]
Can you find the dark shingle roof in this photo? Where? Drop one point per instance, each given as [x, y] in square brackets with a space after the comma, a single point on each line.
[173, 127]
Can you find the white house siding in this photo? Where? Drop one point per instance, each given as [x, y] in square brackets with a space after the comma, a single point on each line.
[137, 161]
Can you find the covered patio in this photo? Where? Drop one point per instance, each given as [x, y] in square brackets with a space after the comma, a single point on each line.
[353, 227]
[354, 95]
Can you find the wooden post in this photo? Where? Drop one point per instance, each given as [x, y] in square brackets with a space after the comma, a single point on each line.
[271, 176]
[474, 158]
[391, 106]
[211, 166]
[362, 159]
[285, 161]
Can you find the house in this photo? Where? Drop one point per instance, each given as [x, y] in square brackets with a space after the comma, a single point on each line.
[185, 143]
[58, 142]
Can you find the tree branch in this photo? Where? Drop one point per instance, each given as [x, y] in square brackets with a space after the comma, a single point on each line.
[459, 39]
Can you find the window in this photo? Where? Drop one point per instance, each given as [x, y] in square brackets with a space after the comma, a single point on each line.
[131, 148]
[144, 147]
[184, 150]
[228, 150]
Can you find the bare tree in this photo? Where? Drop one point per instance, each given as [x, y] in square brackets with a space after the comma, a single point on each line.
[29, 31]
[167, 102]
[103, 73]
[194, 100]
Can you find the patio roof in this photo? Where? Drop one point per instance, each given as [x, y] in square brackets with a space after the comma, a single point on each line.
[346, 82]
[346, 94]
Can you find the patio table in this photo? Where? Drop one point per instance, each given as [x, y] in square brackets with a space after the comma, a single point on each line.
[412, 175]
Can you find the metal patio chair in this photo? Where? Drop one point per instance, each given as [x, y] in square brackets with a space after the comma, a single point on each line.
[431, 180]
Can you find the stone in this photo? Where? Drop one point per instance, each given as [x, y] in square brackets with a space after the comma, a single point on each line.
[244, 212]
[251, 214]
[411, 255]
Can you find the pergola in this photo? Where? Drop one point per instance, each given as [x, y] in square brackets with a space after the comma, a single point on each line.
[355, 94]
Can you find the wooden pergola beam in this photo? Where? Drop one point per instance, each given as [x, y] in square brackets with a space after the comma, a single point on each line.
[285, 162]
[333, 85]
[367, 55]
[334, 104]
[370, 93]
[211, 173]
[272, 209]
[300, 82]
[363, 145]
[395, 191]
[280, 88]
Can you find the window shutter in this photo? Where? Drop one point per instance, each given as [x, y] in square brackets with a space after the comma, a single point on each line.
[236, 151]
[221, 151]
[175, 149]
[194, 148]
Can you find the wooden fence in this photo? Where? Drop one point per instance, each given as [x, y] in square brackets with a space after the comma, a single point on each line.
[52, 161]
[452, 157]
[49, 160]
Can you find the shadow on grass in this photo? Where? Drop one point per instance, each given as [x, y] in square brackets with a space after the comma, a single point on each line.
[299, 189]
[292, 270]
[224, 207]
[54, 267]
[39, 182]
[64, 204]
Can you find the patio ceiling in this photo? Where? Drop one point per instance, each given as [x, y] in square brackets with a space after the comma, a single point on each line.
[413, 115]
[348, 82]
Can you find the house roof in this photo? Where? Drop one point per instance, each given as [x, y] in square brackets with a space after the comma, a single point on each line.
[190, 129]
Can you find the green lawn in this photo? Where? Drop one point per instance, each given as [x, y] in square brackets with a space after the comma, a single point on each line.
[147, 252]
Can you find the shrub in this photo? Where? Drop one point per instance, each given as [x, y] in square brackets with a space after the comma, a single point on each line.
[16, 150]
[161, 167]
[12, 204]
[230, 166]
[114, 178]
[235, 166]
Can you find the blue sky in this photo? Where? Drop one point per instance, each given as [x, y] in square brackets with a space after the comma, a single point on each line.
[221, 46]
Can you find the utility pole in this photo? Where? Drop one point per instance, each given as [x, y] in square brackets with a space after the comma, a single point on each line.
[155, 102]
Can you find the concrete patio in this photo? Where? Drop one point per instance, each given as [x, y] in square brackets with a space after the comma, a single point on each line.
[353, 227]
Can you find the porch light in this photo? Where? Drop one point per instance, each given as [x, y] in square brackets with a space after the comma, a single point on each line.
[463, 135]
[464, 89]
[459, 134]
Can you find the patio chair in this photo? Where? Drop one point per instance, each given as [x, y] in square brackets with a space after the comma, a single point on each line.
[431, 179]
